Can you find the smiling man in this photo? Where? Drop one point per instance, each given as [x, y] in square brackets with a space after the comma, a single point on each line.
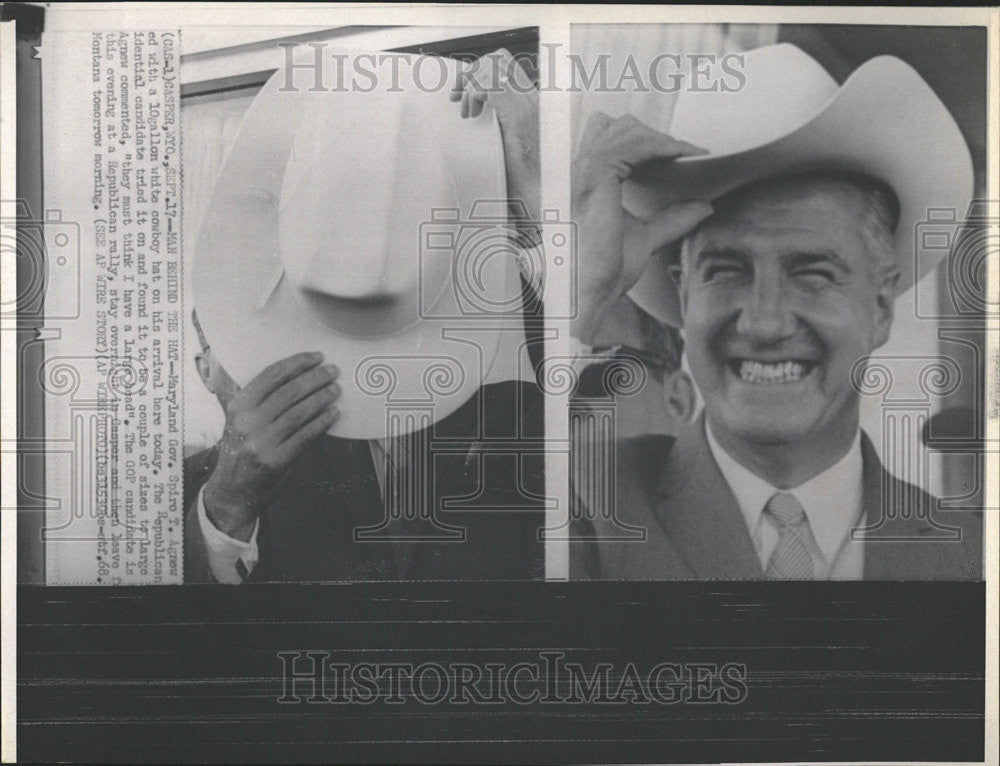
[784, 288]
[789, 255]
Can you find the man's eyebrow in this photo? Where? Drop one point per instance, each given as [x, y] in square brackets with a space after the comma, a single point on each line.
[811, 257]
[720, 252]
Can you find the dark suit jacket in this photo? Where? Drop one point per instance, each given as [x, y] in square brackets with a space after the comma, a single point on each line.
[307, 532]
[695, 530]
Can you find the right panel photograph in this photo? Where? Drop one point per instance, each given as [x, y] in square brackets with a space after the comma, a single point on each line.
[782, 299]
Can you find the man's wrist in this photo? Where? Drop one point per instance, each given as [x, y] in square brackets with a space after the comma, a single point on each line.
[231, 520]
[594, 306]
[523, 166]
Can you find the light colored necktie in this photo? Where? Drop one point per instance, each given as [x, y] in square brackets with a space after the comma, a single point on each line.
[791, 559]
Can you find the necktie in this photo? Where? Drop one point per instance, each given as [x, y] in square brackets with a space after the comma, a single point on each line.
[791, 559]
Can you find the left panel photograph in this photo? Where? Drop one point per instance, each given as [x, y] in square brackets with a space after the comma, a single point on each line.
[292, 308]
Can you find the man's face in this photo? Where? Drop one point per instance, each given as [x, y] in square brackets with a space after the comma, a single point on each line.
[779, 303]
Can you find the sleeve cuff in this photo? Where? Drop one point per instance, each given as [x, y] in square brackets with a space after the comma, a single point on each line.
[585, 355]
[231, 560]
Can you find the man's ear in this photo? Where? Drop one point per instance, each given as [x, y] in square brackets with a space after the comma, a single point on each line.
[204, 371]
[680, 396]
[885, 303]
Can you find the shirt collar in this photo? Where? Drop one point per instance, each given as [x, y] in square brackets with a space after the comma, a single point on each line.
[831, 499]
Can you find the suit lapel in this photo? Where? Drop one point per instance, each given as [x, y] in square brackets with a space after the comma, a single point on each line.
[451, 475]
[354, 489]
[900, 554]
[880, 558]
[700, 515]
[405, 549]
[418, 558]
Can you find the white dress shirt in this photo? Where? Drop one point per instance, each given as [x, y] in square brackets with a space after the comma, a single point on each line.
[232, 560]
[832, 503]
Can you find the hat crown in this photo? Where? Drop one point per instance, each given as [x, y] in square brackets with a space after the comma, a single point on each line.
[333, 257]
[782, 88]
[352, 204]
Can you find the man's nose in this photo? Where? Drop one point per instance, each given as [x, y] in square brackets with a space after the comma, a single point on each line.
[765, 316]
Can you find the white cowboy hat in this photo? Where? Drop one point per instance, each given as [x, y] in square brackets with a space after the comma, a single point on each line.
[790, 116]
[367, 221]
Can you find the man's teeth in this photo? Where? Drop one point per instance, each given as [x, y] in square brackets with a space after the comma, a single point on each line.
[782, 372]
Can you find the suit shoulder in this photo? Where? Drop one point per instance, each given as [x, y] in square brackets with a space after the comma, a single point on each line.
[633, 470]
[643, 455]
[953, 539]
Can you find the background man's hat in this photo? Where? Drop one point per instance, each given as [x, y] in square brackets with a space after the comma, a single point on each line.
[369, 223]
[790, 117]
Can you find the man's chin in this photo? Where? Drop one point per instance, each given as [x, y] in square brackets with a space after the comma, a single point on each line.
[764, 428]
[769, 435]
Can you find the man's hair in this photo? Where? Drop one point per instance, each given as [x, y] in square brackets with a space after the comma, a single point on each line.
[662, 348]
[879, 215]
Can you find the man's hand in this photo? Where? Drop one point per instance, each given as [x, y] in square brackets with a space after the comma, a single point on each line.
[615, 246]
[268, 423]
[500, 80]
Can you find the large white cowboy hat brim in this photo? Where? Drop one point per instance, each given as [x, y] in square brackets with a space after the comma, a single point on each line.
[884, 122]
[253, 314]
